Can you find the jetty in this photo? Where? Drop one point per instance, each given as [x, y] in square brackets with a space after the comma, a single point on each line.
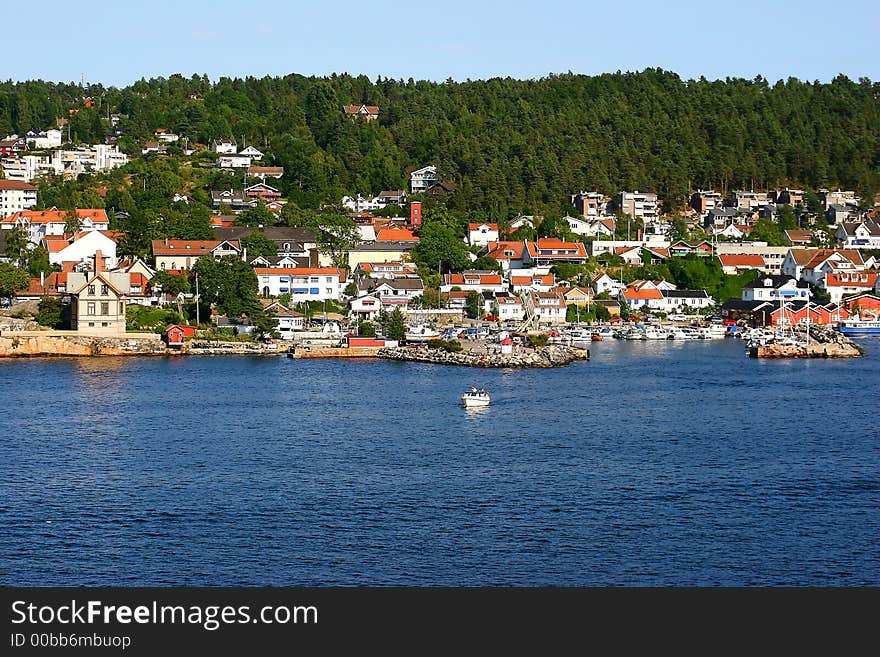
[824, 342]
[555, 355]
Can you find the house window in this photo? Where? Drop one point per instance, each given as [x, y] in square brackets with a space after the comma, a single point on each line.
[105, 308]
[91, 289]
[104, 290]
[90, 309]
[122, 308]
[329, 291]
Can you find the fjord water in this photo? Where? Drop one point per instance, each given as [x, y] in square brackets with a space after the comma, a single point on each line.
[652, 464]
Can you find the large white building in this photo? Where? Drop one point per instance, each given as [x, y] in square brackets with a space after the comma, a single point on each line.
[16, 196]
[301, 283]
[69, 163]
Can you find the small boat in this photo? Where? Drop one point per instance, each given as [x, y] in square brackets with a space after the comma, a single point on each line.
[421, 335]
[474, 398]
[596, 337]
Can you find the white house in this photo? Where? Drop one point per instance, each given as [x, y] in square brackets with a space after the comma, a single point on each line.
[367, 307]
[685, 299]
[81, 247]
[288, 321]
[16, 196]
[535, 282]
[421, 179]
[399, 291]
[301, 283]
[811, 265]
[548, 306]
[44, 139]
[482, 234]
[605, 283]
[224, 146]
[252, 153]
[44, 223]
[234, 161]
[864, 235]
[510, 309]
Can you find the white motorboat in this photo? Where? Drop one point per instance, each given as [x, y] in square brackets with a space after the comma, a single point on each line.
[421, 334]
[474, 398]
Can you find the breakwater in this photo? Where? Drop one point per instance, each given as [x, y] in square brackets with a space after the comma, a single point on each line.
[550, 356]
[824, 342]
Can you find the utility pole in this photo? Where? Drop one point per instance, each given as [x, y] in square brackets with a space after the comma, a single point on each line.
[197, 299]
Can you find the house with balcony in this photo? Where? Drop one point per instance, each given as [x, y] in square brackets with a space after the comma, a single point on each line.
[301, 283]
[642, 205]
[16, 196]
[702, 201]
[859, 235]
[548, 251]
[421, 180]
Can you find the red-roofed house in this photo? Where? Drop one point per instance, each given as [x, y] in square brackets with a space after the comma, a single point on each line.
[508, 254]
[53, 285]
[395, 235]
[263, 191]
[42, 223]
[182, 254]
[642, 294]
[366, 112]
[734, 264]
[536, 282]
[550, 250]
[843, 283]
[482, 234]
[474, 280]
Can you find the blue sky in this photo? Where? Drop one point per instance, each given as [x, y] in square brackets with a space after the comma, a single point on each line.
[117, 43]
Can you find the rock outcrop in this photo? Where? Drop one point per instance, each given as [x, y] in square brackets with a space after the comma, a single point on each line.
[824, 342]
[550, 356]
[21, 344]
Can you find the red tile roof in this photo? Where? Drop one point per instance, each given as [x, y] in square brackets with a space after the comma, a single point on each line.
[97, 215]
[16, 184]
[851, 279]
[177, 247]
[741, 261]
[497, 250]
[395, 235]
[477, 226]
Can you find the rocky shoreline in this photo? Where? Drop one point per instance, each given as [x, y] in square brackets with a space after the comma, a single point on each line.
[550, 356]
[825, 342]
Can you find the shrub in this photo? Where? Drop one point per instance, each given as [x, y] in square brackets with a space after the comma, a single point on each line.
[538, 341]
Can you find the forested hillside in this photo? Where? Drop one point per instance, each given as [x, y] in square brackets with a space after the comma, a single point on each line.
[509, 145]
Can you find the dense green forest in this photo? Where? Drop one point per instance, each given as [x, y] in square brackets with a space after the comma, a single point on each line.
[510, 145]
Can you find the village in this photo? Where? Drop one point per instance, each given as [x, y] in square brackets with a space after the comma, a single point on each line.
[528, 275]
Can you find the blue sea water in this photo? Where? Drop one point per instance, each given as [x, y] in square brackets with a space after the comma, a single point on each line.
[653, 464]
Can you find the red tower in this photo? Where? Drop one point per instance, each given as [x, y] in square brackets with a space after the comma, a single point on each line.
[415, 214]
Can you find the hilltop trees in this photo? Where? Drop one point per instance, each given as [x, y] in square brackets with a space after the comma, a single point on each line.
[506, 144]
